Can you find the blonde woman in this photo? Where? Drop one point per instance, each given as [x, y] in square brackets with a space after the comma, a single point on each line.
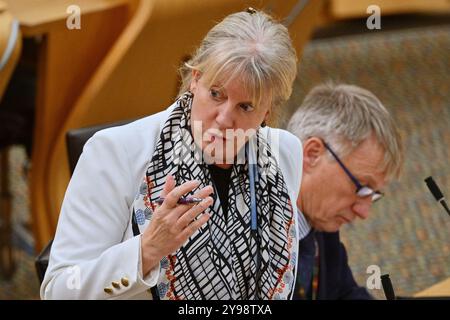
[198, 201]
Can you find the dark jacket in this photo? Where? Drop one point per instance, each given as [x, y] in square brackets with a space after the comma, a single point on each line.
[335, 277]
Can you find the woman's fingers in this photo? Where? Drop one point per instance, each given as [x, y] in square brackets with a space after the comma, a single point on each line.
[172, 193]
[193, 227]
[204, 192]
[188, 217]
[168, 185]
[171, 199]
[173, 223]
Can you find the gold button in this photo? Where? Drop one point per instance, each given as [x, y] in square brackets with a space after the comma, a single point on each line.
[125, 281]
[115, 284]
[108, 290]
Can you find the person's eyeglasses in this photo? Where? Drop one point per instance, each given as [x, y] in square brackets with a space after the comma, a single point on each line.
[361, 190]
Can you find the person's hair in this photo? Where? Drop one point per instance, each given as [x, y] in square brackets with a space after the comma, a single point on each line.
[251, 47]
[344, 116]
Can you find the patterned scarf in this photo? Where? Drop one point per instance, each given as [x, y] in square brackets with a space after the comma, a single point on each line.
[224, 259]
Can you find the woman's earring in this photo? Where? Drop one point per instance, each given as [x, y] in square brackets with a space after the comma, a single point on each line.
[263, 124]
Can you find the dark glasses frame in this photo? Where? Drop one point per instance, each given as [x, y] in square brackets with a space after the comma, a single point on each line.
[362, 191]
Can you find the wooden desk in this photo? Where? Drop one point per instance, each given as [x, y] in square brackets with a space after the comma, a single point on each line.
[66, 61]
[38, 16]
[441, 289]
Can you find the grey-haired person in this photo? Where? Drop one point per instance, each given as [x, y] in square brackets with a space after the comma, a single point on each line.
[351, 151]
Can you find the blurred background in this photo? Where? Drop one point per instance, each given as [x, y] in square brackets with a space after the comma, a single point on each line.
[71, 64]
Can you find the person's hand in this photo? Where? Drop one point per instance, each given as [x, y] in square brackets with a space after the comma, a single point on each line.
[172, 223]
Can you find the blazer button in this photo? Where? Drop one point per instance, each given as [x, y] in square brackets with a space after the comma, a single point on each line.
[125, 281]
[115, 284]
[108, 290]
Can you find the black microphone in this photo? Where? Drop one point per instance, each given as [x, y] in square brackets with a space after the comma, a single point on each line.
[434, 189]
[387, 287]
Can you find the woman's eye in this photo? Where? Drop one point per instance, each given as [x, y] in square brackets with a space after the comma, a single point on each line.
[214, 93]
[247, 107]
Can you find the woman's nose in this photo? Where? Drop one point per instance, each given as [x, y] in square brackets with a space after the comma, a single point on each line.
[225, 115]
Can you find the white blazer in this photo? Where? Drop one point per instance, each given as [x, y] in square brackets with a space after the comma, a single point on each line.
[94, 253]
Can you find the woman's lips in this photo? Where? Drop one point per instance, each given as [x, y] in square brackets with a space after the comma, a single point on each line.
[218, 138]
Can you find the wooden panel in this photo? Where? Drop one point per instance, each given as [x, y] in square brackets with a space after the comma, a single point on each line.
[345, 9]
[5, 33]
[3, 5]
[67, 60]
[37, 16]
[441, 289]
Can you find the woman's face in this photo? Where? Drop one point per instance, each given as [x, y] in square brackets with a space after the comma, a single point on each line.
[223, 118]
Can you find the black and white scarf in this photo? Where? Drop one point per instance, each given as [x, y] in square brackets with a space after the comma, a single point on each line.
[224, 259]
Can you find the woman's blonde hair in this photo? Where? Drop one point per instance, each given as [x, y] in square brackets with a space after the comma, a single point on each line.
[252, 47]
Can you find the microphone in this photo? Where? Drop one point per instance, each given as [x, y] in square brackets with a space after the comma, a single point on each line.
[434, 189]
[387, 287]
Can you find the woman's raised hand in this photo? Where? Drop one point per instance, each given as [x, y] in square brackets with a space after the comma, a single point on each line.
[173, 223]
